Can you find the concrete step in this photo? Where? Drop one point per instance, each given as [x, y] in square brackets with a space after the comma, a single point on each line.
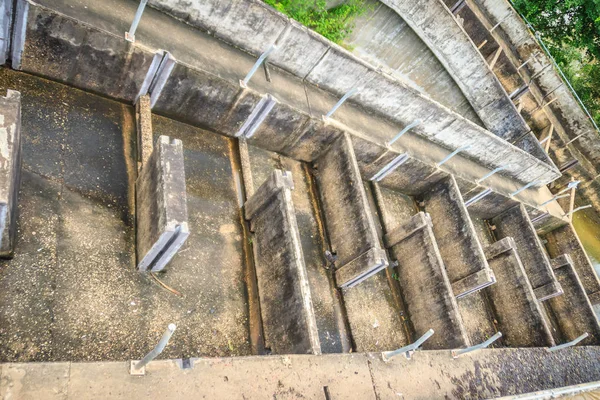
[350, 225]
[257, 167]
[515, 223]
[519, 316]
[564, 240]
[287, 313]
[456, 238]
[572, 313]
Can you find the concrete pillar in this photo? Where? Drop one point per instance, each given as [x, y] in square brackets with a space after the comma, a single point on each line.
[425, 286]
[515, 307]
[572, 311]
[161, 206]
[10, 169]
[516, 224]
[349, 221]
[456, 238]
[288, 317]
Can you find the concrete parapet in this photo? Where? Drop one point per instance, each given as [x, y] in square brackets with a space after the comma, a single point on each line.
[516, 224]
[288, 317]
[573, 312]
[161, 209]
[424, 284]
[513, 301]
[10, 169]
[348, 217]
[564, 240]
[456, 238]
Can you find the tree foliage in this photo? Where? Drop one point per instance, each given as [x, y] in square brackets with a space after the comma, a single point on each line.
[335, 23]
[571, 31]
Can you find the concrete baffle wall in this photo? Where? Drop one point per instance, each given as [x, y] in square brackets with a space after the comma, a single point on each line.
[572, 312]
[515, 307]
[516, 224]
[349, 221]
[161, 206]
[564, 240]
[10, 169]
[426, 289]
[287, 313]
[456, 238]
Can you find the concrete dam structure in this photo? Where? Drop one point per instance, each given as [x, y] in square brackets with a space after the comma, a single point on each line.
[390, 221]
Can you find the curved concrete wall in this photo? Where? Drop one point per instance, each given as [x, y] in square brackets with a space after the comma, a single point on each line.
[566, 108]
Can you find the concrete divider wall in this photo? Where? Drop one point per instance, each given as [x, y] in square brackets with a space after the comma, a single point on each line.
[347, 214]
[456, 238]
[514, 304]
[288, 317]
[10, 169]
[516, 224]
[573, 311]
[564, 240]
[425, 286]
[66, 55]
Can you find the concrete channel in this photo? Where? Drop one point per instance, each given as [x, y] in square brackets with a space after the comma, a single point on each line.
[156, 189]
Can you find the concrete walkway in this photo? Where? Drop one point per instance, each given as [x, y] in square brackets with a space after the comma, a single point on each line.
[429, 374]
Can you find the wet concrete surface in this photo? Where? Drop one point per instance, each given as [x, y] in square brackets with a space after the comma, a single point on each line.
[72, 292]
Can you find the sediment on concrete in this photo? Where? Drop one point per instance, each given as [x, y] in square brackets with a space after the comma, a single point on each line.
[564, 240]
[572, 313]
[463, 256]
[514, 304]
[350, 225]
[287, 313]
[516, 224]
[10, 169]
[143, 119]
[161, 206]
[425, 287]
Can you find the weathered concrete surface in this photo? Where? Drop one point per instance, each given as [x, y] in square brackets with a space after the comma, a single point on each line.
[336, 72]
[161, 206]
[516, 224]
[564, 240]
[350, 225]
[10, 169]
[288, 317]
[572, 312]
[429, 374]
[424, 284]
[463, 256]
[145, 140]
[515, 306]
[326, 300]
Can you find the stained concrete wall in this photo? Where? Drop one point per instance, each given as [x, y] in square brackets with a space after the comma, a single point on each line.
[514, 304]
[515, 223]
[456, 238]
[424, 283]
[288, 318]
[572, 311]
[349, 221]
[10, 169]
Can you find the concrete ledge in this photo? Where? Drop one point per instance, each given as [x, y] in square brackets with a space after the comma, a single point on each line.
[573, 312]
[10, 169]
[513, 300]
[143, 119]
[425, 287]
[456, 238]
[564, 240]
[362, 267]
[516, 224]
[286, 307]
[348, 218]
[161, 209]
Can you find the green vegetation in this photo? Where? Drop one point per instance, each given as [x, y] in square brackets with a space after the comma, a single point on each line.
[571, 30]
[335, 24]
